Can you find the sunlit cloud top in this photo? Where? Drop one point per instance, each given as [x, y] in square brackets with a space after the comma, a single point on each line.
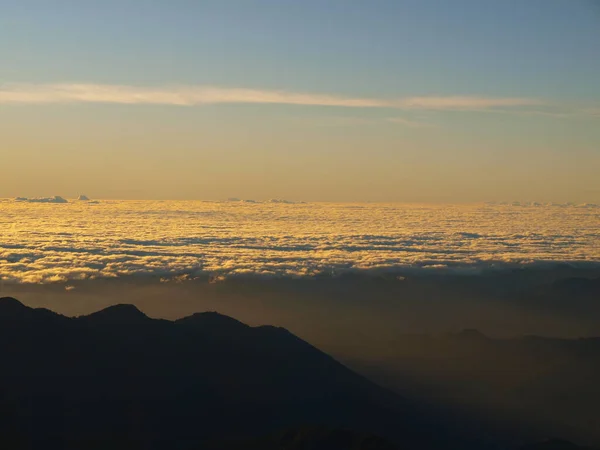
[285, 239]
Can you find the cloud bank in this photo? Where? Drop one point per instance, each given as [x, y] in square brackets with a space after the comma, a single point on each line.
[276, 239]
[55, 199]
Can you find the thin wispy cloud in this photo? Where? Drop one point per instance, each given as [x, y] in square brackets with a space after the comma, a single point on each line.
[592, 111]
[198, 95]
[175, 95]
[408, 122]
[18, 93]
[467, 103]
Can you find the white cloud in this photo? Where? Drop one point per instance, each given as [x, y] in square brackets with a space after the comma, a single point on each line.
[464, 103]
[174, 95]
[408, 122]
[200, 95]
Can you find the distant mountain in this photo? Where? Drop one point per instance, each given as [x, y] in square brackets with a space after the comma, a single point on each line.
[547, 383]
[577, 286]
[119, 379]
[570, 296]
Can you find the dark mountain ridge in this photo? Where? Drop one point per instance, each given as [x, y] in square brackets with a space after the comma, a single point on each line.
[117, 379]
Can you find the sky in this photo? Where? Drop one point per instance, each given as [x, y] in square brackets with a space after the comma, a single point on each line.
[313, 100]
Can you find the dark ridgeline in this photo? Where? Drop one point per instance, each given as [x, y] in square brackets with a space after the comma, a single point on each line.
[319, 438]
[307, 438]
[554, 444]
[118, 379]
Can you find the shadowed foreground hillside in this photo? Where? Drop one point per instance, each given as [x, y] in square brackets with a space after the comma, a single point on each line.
[319, 438]
[119, 379]
[313, 438]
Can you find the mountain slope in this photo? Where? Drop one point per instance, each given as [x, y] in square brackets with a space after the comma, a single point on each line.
[118, 378]
[313, 438]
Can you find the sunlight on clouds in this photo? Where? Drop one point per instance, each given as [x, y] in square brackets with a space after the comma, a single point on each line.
[467, 103]
[198, 95]
[41, 243]
[195, 95]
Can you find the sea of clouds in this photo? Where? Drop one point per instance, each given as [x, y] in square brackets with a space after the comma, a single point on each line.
[51, 241]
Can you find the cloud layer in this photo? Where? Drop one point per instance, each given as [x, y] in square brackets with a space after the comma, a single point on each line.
[42, 243]
[55, 199]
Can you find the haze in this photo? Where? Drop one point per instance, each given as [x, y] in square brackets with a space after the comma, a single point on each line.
[428, 101]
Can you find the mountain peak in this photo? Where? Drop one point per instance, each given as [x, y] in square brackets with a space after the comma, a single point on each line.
[10, 305]
[122, 313]
[10, 301]
[471, 333]
[211, 319]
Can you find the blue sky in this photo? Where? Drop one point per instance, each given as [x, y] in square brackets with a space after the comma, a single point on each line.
[464, 57]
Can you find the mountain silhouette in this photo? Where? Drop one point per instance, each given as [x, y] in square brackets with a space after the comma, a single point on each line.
[471, 335]
[313, 438]
[555, 444]
[117, 314]
[119, 379]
